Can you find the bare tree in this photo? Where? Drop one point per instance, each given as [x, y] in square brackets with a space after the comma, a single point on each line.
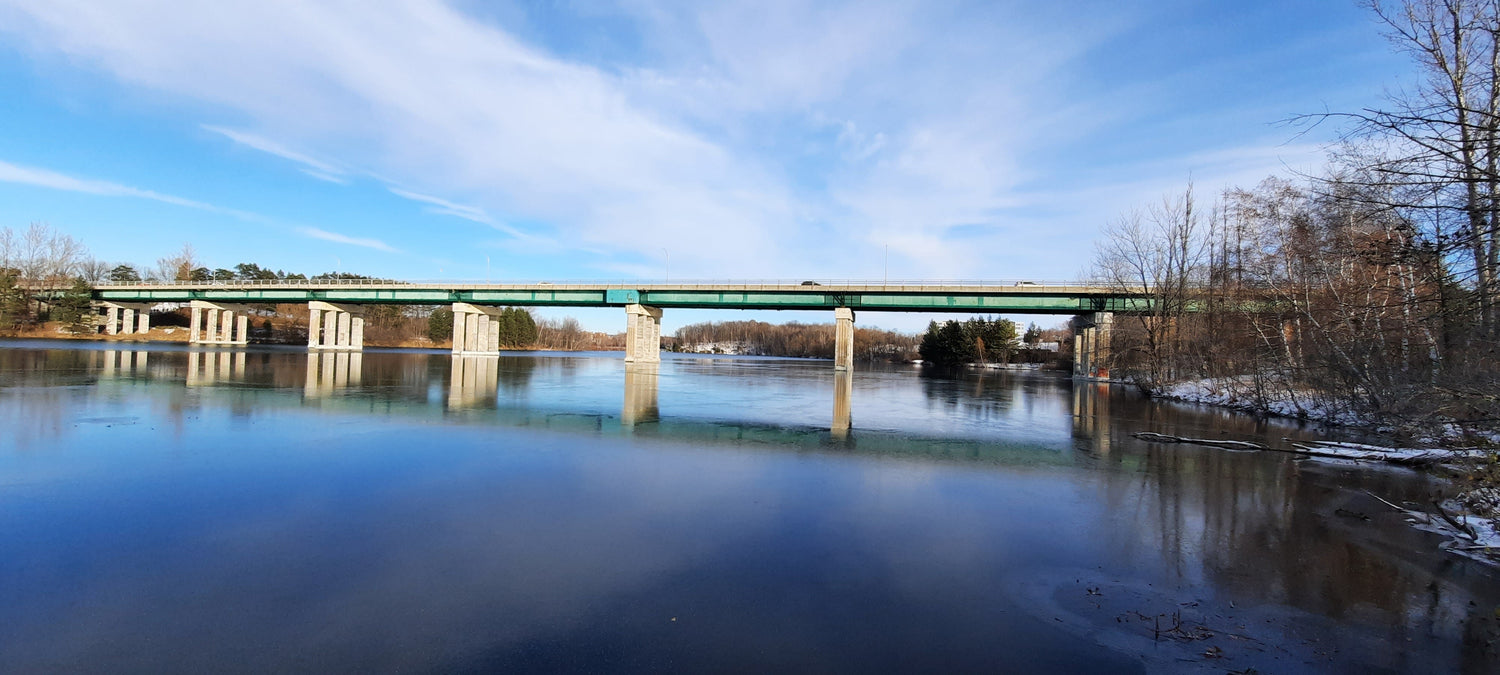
[1440, 143]
[41, 254]
[179, 266]
[93, 270]
[1163, 254]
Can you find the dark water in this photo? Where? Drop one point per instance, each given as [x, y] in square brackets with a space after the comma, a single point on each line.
[166, 510]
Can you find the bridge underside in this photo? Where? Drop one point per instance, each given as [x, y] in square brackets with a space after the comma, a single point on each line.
[336, 303]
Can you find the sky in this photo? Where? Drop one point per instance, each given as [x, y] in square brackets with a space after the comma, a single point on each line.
[647, 140]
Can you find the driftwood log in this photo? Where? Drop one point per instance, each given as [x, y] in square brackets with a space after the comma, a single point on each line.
[1328, 449]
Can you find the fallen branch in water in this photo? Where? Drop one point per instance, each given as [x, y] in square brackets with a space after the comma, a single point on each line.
[1228, 445]
[1329, 449]
[1461, 527]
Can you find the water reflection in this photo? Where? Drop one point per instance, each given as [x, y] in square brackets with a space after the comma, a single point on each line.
[472, 381]
[206, 369]
[127, 363]
[641, 388]
[982, 499]
[843, 391]
[1091, 414]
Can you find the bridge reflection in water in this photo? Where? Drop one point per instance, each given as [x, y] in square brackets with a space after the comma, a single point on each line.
[412, 383]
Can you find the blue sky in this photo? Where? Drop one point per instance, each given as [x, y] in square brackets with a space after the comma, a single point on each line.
[597, 140]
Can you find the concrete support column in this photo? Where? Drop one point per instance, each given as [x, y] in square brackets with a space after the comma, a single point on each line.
[212, 334]
[1104, 324]
[471, 333]
[196, 323]
[335, 326]
[843, 343]
[642, 334]
[459, 318]
[483, 331]
[111, 319]
[314, 331]
[128, 321]
[1080, 356]
[143, 321]
[242, 328]
[226, 325]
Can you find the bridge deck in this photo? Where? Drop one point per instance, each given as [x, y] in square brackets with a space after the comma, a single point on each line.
[969, 297]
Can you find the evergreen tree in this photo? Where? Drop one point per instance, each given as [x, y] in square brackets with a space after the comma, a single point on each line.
[1033, 334]
[124, 274]
[14, 307]
[440, 324]
[74, 309]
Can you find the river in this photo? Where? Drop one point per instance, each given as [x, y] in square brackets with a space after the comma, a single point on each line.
[174, 510]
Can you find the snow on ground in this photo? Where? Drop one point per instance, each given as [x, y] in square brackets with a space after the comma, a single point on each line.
[1240, 394]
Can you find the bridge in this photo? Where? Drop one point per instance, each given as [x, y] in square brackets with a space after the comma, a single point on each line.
[220, 309]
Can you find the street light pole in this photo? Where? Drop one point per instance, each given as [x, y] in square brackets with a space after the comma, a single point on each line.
[887, 280]
[669, 265]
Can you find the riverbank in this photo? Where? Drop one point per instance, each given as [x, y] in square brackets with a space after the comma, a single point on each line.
[1469, 515]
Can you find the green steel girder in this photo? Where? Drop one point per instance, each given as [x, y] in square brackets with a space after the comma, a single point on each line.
[998, 302]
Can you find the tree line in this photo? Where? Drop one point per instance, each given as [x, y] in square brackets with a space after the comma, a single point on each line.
[800, 340]
[1369, 289]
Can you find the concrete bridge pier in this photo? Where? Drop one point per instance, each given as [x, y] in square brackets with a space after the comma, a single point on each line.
[218, 324]
[126, 318]
[642, 334]
[475, 330]
[1091, 346]
[843, 342]
[335, 326]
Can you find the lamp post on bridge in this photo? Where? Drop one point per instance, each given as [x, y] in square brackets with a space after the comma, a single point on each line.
[669, 265]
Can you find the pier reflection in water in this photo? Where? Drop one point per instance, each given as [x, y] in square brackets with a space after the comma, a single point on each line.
[963, 520]
[331, 371]
[207, 368]
[843, 392]
[641, 389]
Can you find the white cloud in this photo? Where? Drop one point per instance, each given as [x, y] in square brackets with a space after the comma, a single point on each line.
[313, 167]
[335, 237]
[44, 178]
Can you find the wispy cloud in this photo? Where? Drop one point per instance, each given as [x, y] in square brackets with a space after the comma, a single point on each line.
[45, 178]
[444, 207]
[313, 167]
[325, 235]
